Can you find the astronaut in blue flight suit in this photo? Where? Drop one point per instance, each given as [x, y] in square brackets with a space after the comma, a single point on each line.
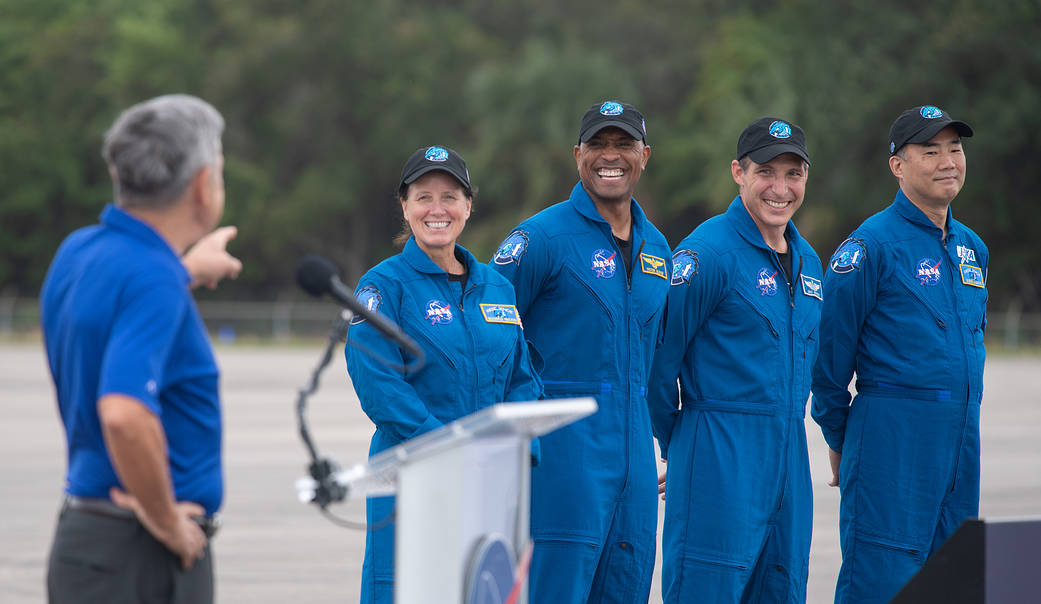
[741, 337]
[462, 313]
[904, 308]
[591, 276]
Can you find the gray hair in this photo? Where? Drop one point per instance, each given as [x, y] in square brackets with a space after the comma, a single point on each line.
[156, 148]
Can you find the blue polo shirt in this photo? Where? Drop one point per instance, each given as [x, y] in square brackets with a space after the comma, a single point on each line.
[118, 318]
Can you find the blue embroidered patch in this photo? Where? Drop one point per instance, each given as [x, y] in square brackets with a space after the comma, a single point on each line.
[438, 312]
[766, 282]
[972, 275]
[436, 154]
[512, 248]
[652, 265]
[370, 298]
[930, 113]
[848, 256]
[501, 313]
[927, 271]
[811, 287]
[780, 129]
[611, 108]
[684, 266]
[603, 263]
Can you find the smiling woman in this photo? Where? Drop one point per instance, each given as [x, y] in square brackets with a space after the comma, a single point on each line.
[435, 290]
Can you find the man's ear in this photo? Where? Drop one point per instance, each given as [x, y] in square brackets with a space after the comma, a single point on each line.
[896, 166]
[737, 172]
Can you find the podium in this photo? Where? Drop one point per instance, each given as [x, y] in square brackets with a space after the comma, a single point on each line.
[462, 500]
[983, 562]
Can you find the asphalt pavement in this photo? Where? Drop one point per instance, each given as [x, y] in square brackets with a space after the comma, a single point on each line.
[275, 549]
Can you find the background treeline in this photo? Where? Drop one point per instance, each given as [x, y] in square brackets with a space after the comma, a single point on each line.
[325, 99]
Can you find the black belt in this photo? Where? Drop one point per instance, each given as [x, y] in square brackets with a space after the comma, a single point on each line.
[104, 507]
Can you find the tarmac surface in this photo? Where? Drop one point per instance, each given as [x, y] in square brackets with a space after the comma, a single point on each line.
[275, 549]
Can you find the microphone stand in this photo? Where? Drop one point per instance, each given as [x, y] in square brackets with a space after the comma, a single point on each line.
[323, 470]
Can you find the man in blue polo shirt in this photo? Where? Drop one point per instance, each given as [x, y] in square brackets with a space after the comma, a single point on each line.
[741, 337]
[591, 276]
[133, 368]
[905, 309]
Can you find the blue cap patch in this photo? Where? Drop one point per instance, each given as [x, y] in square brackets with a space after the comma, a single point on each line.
[848, 256]
[766, 282]
[684, 266]
[811, 287]
[611, 108]
[780, 129]
[927, 271]
[603, 263]
[437, 312]
[437, 154]
[930, 113]
[512, 248]
[501, 313]
[370, 298]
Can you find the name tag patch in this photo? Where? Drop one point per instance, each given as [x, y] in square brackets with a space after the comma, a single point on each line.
[652, 265]
[971, 275]
[811, 287]
[501, 313]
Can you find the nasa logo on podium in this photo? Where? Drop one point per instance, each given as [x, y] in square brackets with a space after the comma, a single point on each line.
[490, 576]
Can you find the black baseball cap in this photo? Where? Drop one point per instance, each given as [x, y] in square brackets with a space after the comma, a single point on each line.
[768, 137]
[919, 124]
[612, 113]
[428, 159]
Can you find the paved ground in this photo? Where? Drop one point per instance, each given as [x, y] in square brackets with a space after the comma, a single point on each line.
[274, 549]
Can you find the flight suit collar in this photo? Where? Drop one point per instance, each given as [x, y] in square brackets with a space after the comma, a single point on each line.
[418, 260]
[585, 206]
[906, 208]
[121, 220]
[742, 222]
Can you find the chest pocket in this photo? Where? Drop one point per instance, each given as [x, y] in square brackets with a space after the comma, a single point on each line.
[973, 303]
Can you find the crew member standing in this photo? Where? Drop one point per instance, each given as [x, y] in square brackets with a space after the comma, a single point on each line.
[133, 368]
[591, 276]
[905, 308]
[741, 337]
[463, 314]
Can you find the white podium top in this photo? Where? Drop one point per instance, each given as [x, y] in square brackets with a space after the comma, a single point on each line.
[523, 420]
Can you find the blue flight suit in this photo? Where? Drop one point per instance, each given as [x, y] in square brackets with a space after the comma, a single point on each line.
[905, 310]
[476, 356]
[742, 341]
[594, 507]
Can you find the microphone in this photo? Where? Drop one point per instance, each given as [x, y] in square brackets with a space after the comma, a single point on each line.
[317, 275]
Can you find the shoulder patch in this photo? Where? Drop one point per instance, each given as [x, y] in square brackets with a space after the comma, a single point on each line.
[501, 313]
[848, 256]
[512, 248]
[652, 265]
[370, 298]
[684, 266]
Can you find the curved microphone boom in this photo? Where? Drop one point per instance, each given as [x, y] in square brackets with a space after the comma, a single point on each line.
[317, 275]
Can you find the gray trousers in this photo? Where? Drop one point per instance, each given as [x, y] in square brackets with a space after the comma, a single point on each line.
[98, 558]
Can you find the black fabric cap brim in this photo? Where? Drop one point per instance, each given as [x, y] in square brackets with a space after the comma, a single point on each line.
[411, 178]
[932, 130]
[628, 128]
[765, 154]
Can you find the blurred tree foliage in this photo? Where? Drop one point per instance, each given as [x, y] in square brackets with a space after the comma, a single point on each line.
[324, 100]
